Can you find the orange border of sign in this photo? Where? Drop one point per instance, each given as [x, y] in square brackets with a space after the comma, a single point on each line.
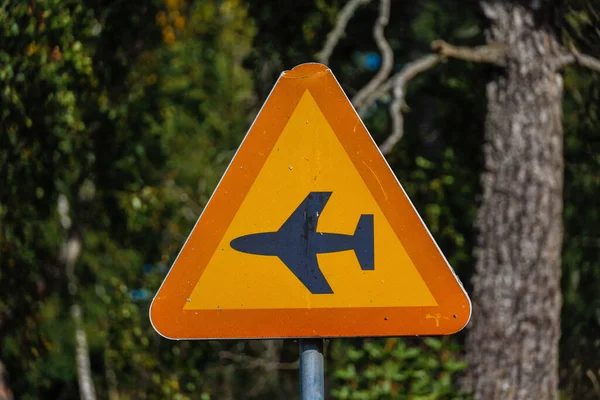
[172, 321]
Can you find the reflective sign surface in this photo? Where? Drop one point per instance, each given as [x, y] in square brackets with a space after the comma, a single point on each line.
[309, 234]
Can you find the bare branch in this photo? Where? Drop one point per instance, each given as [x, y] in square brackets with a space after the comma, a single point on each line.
[387, 55]
[389, 84]
[588, 62]
[400, 80]
[376, 95]
[575, 57]
[338, 31]
[492, 53]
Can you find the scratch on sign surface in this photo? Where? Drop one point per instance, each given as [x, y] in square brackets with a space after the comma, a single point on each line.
[378, 181]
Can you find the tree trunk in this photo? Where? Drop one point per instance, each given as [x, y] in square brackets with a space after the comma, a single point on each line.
[512, 343]
[69, 254]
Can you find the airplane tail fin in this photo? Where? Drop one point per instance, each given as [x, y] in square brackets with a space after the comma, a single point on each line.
[364, 242]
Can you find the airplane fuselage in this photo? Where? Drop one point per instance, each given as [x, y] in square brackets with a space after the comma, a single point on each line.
[275, 244]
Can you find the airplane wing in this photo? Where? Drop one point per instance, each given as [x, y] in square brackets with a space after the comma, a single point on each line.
[304, 219]
[306, 269]
[296, 243]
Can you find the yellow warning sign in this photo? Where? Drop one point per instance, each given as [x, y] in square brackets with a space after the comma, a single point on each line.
[309, 234]
[307, 158]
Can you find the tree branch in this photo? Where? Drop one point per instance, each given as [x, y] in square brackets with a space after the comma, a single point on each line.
[492, 53]
[376, 95]
[69, 254]
[377, 88]
[575, 57]
[389, 84]
[387, 55]
[338, 31]
[400, 80]
[588, 62]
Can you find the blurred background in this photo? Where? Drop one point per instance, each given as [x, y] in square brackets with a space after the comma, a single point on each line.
[117, 119]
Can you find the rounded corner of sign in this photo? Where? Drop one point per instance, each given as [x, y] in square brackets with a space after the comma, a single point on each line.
[463, 321]
[461, 326]
[159, 329]
[158, 324]
[306, 70]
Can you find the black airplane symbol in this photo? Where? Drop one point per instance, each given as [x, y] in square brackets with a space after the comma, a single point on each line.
[297, 243]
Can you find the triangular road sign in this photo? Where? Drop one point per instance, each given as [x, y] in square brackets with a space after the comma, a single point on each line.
[309, 234]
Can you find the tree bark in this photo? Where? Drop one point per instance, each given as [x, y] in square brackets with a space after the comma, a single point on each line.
[69, 254]
[512, 343]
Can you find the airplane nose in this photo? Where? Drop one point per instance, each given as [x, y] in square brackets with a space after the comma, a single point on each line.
[240, 244]
[262, 244]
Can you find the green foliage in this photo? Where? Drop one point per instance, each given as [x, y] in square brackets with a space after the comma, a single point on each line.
[131, 110]
[134, 126]
[74, 123]
[580, 342]
[394, 369]
[205, 94]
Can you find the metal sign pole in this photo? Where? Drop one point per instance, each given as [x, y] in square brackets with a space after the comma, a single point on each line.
[312, 371]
